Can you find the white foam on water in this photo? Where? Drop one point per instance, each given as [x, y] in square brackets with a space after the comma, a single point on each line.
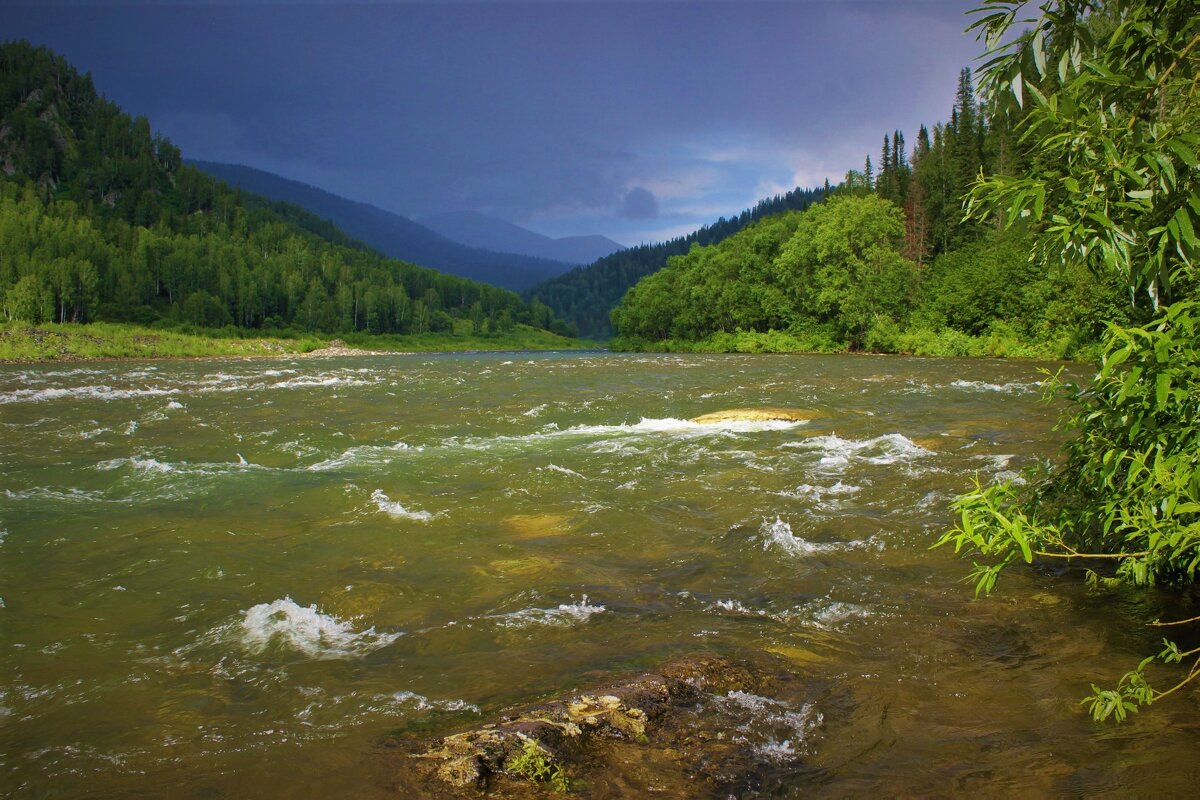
[364, 454]
[775, 731]
[215, 382]
[838, 453]
[423, 703]
[778, 535]
[101, 392]
[304, 629]
[737, 607]
[131, 427]
[564, 615]
[337, 712]
[174, 405]
[646, 427]
[1015, 387]
[671, 425]
[139, 463]
[817, 494]
[58, 495]
[533, 412]
[563, 470]
[345, 459]
[394, 509]
[830, 613]
[311, 381]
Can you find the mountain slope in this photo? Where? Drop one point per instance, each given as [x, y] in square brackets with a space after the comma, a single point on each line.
[101, 220]
[392, 234]
[587, 295]
[479, 230]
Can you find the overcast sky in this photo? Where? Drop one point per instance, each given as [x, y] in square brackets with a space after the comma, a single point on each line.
[636, 120]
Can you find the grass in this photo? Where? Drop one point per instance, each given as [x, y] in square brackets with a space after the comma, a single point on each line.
[22, 342]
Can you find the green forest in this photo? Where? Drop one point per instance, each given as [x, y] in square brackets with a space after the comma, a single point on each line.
[586, 295]
[887, 263]
[101, 221]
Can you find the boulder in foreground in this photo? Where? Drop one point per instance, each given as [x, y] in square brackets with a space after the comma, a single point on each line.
[699, 726]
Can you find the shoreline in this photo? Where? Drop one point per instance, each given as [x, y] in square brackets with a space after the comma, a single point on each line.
[22, 344]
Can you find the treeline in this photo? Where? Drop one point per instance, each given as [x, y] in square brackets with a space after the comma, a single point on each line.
[887, 263]
[835, 277]
[587, 295]
[101, 220]
[929, 182]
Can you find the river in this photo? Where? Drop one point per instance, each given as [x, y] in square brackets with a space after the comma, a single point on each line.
[233, 578]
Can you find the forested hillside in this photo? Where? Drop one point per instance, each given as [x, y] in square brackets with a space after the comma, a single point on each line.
[834, 277]
[101, 220]
[887, 263]
[587, 295]
[391, 234]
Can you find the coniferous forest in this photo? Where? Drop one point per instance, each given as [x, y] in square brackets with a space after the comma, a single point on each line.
[100, 220]
[887, 264]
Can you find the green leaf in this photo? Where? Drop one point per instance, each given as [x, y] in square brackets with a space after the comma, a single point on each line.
[1039, 53]
[1183, 151]
[1184, 222]
[1162, 388]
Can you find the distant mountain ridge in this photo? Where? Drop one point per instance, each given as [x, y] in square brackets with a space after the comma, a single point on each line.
[392, 234]
[490, 233]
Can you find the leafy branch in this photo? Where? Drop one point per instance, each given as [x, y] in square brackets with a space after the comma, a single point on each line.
[1104, 92]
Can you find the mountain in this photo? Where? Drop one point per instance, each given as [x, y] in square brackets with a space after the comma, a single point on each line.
[489, 233]
[392, 234]
[586, 296]
[100, 219]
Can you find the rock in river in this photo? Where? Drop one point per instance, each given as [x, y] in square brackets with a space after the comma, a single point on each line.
[757, 415]
[699, 726]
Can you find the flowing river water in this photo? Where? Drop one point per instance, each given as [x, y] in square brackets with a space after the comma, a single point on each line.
[227, 578]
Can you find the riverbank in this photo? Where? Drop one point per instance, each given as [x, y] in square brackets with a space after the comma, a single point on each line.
[22, 343]
[916, 342]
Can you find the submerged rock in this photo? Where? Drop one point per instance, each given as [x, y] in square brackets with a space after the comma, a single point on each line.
[536, 526]
[757, 415]
[700, 726]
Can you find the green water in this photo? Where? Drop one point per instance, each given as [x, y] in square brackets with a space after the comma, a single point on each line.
[236, 578]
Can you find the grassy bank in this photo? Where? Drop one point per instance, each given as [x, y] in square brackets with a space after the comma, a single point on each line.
[521, 337]
[68, 342]
[919, 342]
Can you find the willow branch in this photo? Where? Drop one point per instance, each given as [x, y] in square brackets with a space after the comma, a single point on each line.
[1159, 624]
[1192, 673]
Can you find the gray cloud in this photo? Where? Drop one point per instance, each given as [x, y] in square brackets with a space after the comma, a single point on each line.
[639, 203]
[530, 111]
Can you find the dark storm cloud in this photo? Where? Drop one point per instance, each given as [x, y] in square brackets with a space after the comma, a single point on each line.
[639, 203]
[550, 112]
